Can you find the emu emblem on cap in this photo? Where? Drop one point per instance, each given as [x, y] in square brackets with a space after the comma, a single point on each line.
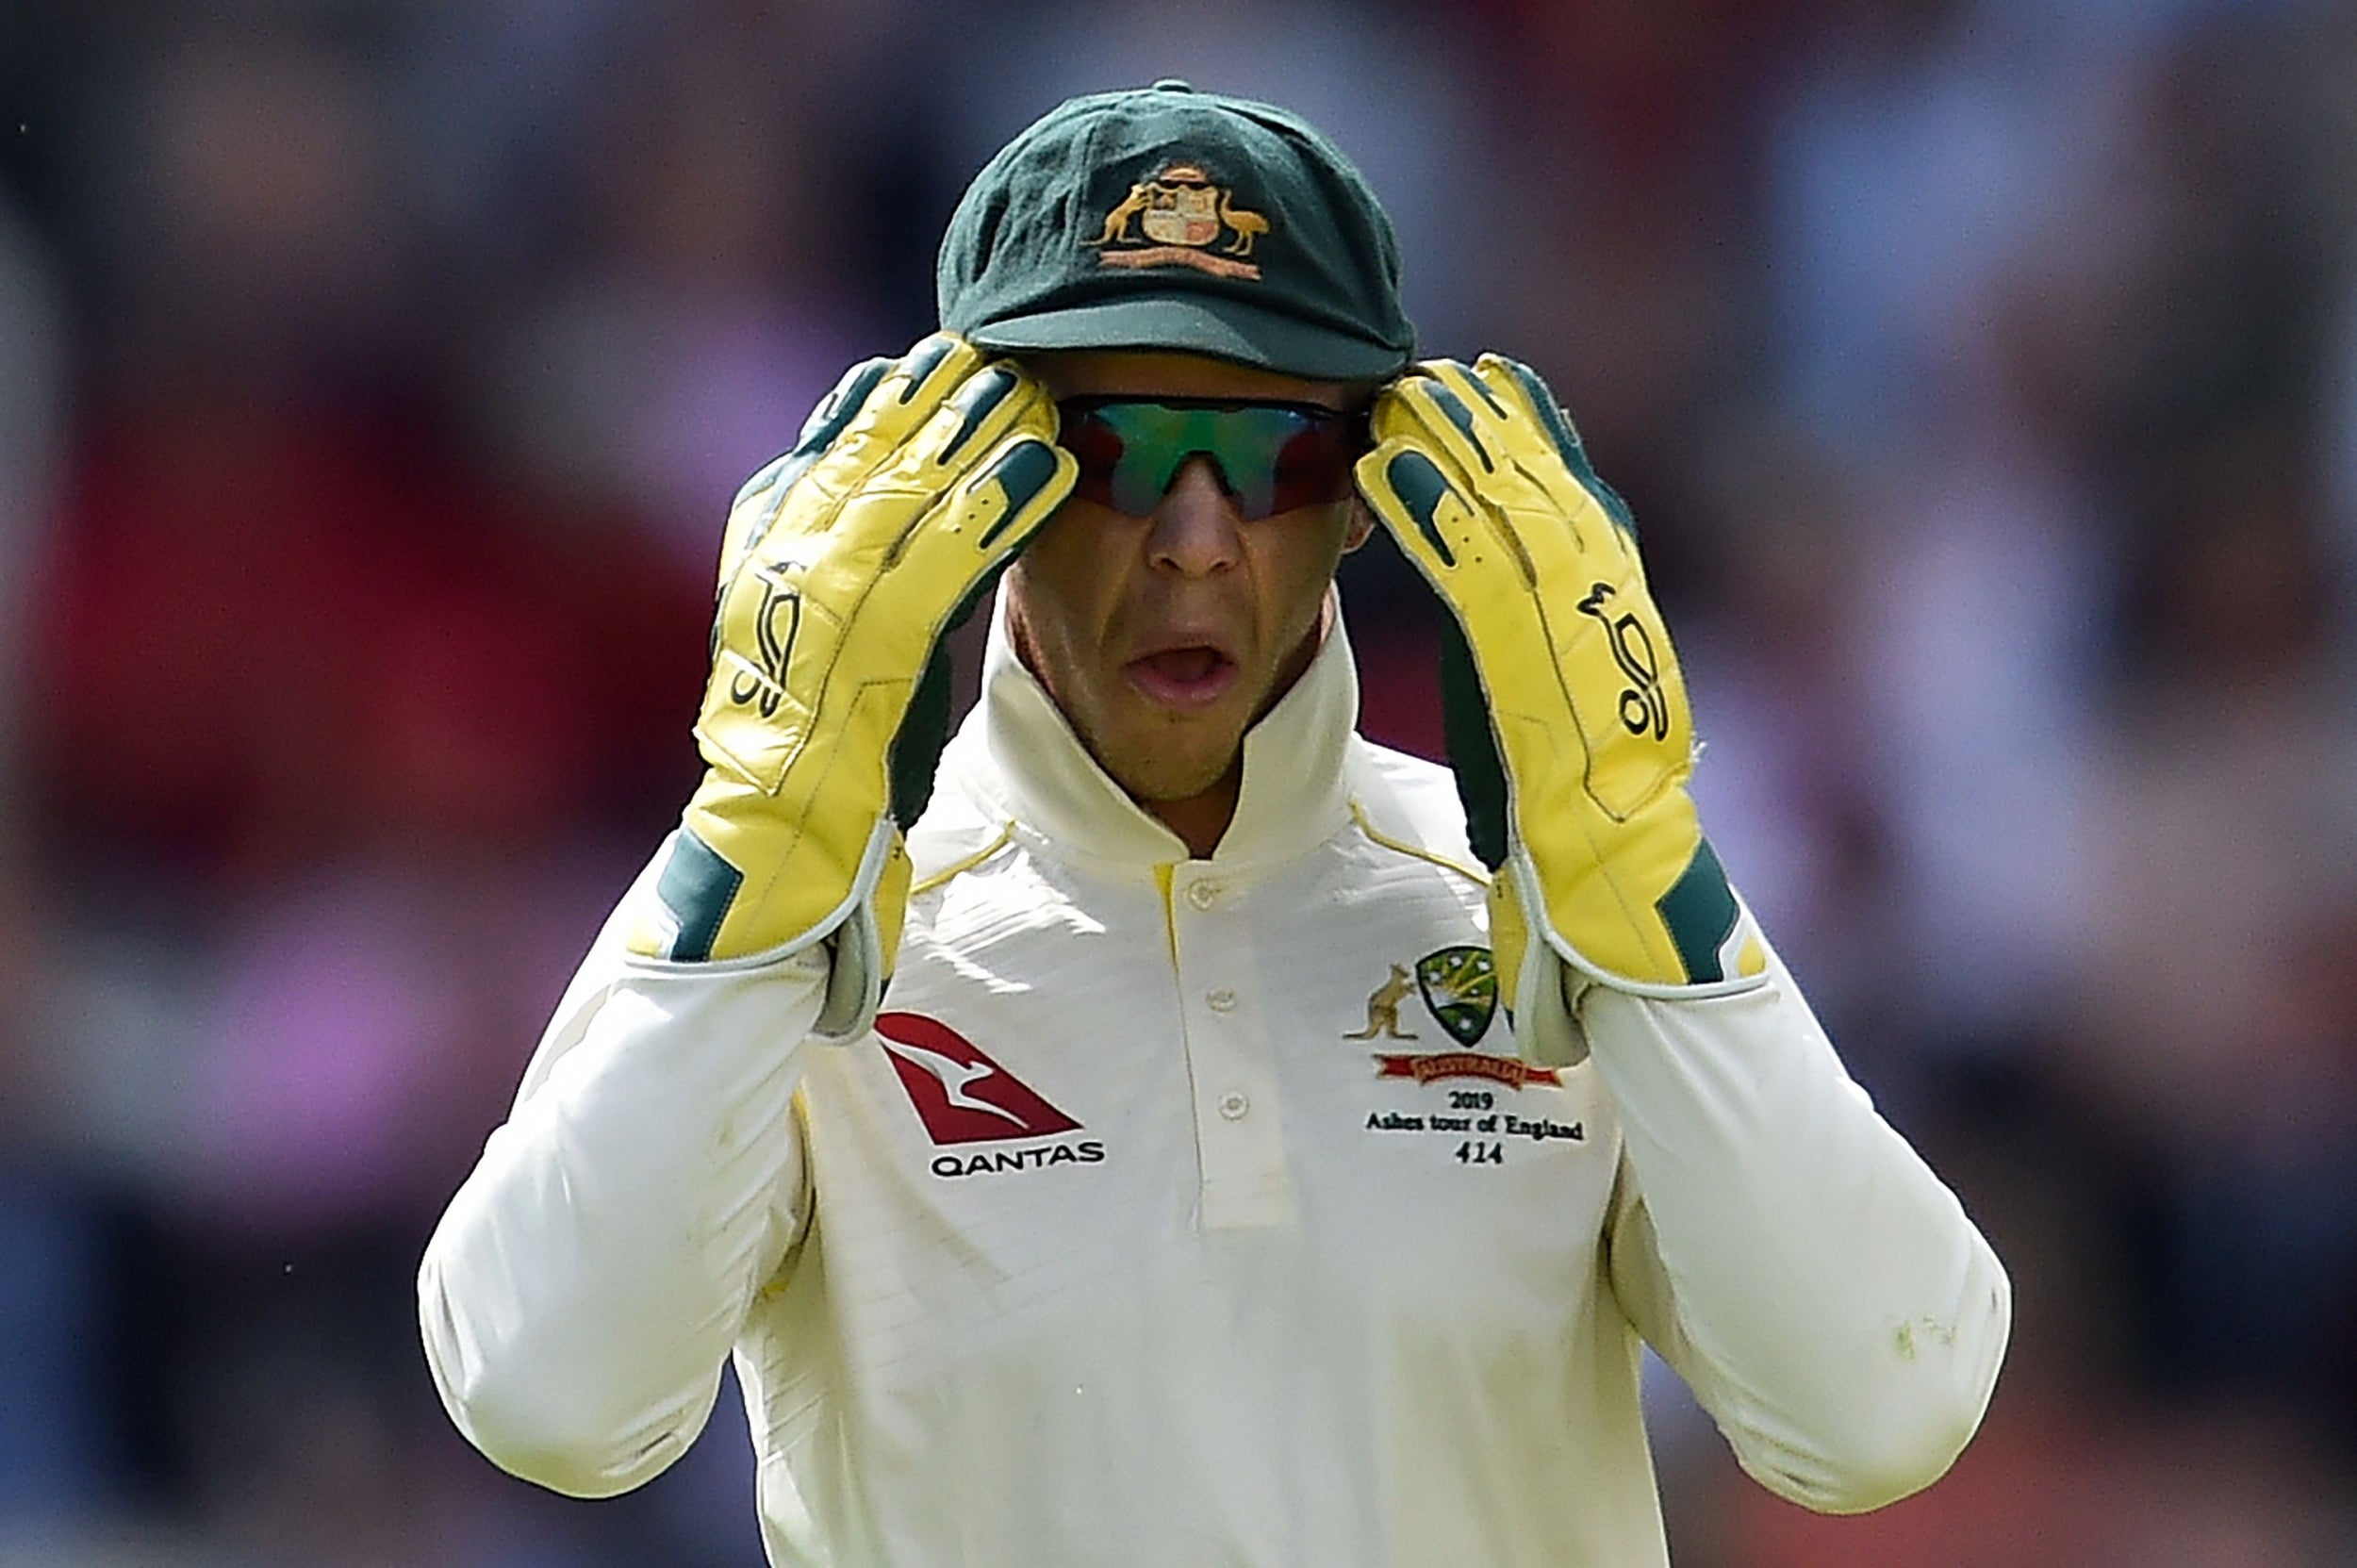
[1180, 217]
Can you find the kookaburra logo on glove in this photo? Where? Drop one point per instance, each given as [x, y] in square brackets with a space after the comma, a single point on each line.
[1644, 708]
[780, 617]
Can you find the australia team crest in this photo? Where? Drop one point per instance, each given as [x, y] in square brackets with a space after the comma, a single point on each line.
[1460, 988]
[1180, 216]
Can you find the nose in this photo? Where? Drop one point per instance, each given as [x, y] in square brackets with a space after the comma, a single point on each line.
[1196, 530]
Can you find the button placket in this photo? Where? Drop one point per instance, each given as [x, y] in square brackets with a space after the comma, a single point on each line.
[1245, 1181]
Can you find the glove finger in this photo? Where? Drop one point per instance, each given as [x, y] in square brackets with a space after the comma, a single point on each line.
[990, 399]
[900, 404]
[1424, 499]
[1541, 503]
[1032, 477]
[1472, 401]
[758, 501]
[1424, 408]
[1519, 385]
[1523, 391]
[914, 504]
[955, 437]
[974, 528]
[840, 406]
[927, 377]
[1534, 516]
[935, 363]
[994, 403]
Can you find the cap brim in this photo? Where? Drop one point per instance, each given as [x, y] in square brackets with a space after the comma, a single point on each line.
[1201, 324]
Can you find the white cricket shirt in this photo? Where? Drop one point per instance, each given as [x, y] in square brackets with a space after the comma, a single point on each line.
[1199, 1214]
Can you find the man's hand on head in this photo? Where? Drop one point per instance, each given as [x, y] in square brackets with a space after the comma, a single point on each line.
[844, 563]
[1565, 710]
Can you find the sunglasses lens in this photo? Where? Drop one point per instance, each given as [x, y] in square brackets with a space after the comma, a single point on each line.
[1271, 457]
[1313, 466]
[1098, 446]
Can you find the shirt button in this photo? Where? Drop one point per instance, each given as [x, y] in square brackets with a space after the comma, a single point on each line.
[1233, 1105]
[1203, 895]
[1221, 1001]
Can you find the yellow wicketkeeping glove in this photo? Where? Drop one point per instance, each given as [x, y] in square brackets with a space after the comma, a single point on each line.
[844, 563]
[1565, 714]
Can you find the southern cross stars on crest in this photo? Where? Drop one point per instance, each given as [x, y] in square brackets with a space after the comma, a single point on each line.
[1460, 987]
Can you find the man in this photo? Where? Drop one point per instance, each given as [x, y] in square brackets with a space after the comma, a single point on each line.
[1271, 1149]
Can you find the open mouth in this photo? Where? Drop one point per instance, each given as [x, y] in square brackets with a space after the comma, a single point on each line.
[1187, 677]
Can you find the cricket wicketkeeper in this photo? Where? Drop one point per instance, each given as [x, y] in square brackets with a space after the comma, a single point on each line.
[1156, 1126]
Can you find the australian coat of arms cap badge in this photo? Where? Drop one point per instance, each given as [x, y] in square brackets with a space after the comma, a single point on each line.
[1180, 217]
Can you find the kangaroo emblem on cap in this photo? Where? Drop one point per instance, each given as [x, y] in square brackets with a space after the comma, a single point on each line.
[1177, 216]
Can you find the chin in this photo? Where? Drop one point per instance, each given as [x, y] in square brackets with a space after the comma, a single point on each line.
[1164, 785]
[1156, 774]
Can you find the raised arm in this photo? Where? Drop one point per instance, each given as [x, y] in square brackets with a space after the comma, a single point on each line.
[587, 1281]
[1820, 1288]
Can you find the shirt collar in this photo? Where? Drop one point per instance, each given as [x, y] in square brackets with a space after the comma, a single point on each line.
[1294, 796]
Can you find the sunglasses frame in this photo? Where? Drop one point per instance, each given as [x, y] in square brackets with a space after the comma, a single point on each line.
[1353, 436]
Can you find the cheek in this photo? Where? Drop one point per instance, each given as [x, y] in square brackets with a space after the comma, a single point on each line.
[1296, 568]
[1064, 580]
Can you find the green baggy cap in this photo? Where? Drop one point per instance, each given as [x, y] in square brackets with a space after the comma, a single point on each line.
[1163, 218]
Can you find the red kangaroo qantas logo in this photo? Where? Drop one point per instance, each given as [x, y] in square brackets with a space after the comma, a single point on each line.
[963, 1096]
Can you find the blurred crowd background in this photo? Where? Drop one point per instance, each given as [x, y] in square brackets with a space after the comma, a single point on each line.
[374, 375]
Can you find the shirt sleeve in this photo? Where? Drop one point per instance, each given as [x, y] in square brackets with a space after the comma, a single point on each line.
[1785, 1250]
[583, 1287]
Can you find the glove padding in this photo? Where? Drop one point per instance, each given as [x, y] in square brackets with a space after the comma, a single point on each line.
[844, 565]
[1565, 712]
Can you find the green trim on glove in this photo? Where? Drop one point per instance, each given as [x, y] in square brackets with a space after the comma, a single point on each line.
[1473, 748]
[697, 887]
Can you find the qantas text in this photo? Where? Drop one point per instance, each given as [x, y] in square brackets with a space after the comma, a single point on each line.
[1088, 1151]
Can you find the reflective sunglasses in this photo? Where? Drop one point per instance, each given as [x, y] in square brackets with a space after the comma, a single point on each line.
[1270, 456]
